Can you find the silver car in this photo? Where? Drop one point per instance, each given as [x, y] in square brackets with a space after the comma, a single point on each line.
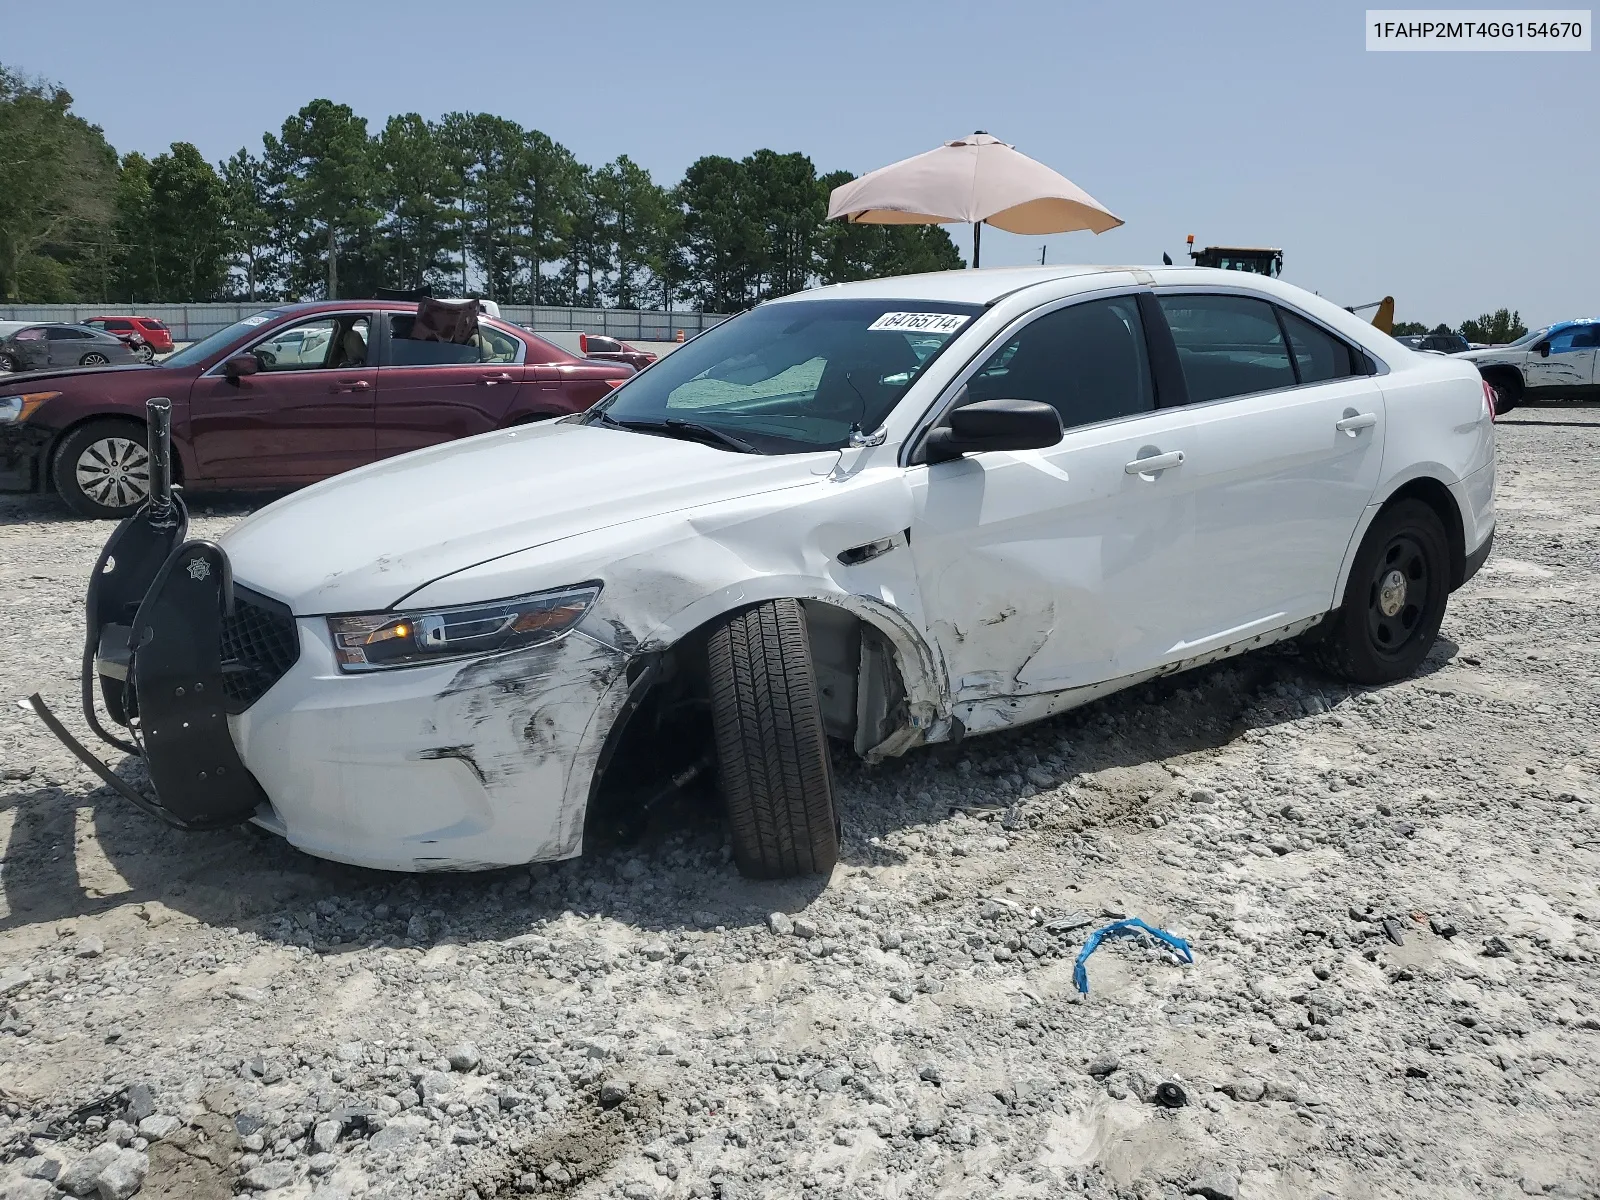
[36, 346]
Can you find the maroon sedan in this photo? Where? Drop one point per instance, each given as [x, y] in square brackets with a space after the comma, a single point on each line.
[287, 397]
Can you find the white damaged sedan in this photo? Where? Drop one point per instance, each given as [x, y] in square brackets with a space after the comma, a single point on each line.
[888, 513]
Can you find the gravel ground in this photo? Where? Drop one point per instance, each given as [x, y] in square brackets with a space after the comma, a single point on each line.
[1391, 896]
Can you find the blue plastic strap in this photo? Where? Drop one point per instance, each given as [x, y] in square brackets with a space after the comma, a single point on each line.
[1080, 972]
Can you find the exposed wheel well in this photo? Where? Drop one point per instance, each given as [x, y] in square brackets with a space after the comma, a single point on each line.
[1437, 497]
[666, 730]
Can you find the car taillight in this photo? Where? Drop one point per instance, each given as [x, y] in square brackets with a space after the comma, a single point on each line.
[615, 383]
[1488, 401]
[583, 344]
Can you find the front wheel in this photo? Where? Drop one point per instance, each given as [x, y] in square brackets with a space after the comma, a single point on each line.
[7, 363]
[772, 752]
[102, 469]
[1394, 601]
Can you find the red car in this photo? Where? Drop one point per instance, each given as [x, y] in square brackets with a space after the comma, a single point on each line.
[595, 345]
[287, 397]
[155, 336]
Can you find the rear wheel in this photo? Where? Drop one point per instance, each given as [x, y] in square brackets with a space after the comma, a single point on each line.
[93, 359]
[772, 751]
[1394, 601]
[102, 469]
[1507, 385]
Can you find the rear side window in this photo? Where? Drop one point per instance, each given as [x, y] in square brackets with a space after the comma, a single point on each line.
[1087, 361]
[152, 323]
[1228, 345]
[116, 326]
[488, 345]
[1318, 355]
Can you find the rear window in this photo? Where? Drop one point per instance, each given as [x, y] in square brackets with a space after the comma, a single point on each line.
[1228, 345]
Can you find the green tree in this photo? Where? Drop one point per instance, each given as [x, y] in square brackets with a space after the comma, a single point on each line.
[57, 178]
[1494, 329]
[246, 196]
[417, 185]
[1405, 328]
[589, 246]
[547, 198]
[632, 209]
[491, 154]
[723, 239]
[186, 227]
[787, 207]
[321, 175]
[138, 269]
[666, 254]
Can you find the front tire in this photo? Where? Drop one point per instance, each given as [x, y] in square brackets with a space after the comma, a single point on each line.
[7, 363]
[1394, 601]
[102, 469]
[772, 751]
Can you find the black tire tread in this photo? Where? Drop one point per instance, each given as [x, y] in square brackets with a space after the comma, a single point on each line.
[772, 750]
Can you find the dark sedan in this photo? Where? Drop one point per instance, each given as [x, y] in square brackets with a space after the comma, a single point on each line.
[289, 396]
[39, 346]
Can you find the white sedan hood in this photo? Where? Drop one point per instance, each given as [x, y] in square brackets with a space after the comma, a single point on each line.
[361, 541]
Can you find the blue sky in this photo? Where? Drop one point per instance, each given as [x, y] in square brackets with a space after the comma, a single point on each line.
[1456, 182]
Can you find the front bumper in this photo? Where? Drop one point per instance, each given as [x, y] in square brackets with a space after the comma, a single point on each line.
[458, 766]
[22, 449]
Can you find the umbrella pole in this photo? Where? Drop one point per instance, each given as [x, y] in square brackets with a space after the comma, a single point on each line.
[977, 240]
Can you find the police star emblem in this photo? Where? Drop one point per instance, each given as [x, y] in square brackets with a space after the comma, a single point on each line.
[199, 569]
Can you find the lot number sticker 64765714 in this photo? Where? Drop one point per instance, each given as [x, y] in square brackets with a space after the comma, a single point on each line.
[909, 322]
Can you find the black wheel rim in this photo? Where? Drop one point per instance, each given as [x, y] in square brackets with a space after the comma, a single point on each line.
[1398, 595]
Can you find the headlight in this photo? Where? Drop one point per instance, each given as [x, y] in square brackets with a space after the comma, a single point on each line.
[20, 408]
[375, 641]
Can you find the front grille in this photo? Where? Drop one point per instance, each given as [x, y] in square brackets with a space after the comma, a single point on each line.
[259, 644]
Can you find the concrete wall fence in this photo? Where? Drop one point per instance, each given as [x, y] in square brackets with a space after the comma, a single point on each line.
[191, 322]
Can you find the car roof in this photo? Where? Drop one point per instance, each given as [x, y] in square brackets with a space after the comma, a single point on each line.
[988, 284]
[1560, 325]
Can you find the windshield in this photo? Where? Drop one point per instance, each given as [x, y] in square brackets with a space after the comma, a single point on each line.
[796, 376]
[1528, 339]
[7, 328]
[193, 356]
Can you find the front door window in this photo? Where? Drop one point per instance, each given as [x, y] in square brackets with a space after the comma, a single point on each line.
[324, 344]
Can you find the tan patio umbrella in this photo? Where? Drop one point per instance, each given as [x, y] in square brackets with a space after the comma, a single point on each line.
[979, 179]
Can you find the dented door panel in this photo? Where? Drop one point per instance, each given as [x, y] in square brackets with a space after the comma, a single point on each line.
[1045, 570]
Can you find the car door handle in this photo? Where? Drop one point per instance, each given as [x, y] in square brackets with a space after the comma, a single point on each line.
[1353, 422]
[1156, 462]
[491, 380]
[360, 385]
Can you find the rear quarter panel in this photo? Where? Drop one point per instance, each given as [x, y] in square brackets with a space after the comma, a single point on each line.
[1437, 428]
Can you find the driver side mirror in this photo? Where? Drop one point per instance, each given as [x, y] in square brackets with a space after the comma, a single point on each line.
[1544, 349]
[994, 425]
[241, 364]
